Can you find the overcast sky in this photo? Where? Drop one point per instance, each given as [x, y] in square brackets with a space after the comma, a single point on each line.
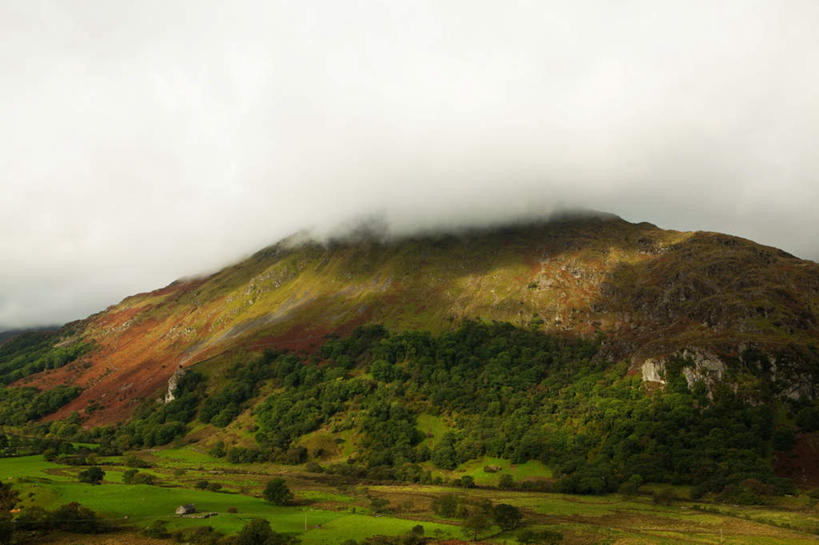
[145, 141]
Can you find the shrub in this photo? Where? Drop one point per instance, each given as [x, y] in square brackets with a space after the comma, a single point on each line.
[92, 475]
[465, 482]
[506, 481]
[218, 450]
[277, 492]
[313, 467]
[506, 516]
[33, 519]
[158, 529]
[73, 517]
[143, 478]
[134, 461]
[476, 524]
[379, 505]
[128, 476]
[8, 497]
[204, 535]
[664, 497]
[258, 532]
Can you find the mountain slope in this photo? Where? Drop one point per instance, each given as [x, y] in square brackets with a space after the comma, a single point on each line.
[650, 292]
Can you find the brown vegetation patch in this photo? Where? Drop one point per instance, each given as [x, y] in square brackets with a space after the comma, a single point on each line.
[802, 463]
[118, 538]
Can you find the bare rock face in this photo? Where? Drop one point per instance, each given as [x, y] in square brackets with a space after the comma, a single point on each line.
[704, 366]
[707, 368]
[172, 383]
[653, 370]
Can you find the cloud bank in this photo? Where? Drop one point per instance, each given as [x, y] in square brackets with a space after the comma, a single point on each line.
[146, 141]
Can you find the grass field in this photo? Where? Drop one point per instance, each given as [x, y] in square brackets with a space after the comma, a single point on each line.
[520, 472]
[31, 467]
[326, 514]
[532, 470]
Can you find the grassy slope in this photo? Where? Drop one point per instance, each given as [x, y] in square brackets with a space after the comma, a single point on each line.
[651, 290]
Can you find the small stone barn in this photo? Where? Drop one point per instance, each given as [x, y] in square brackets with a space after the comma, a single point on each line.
[186, 509]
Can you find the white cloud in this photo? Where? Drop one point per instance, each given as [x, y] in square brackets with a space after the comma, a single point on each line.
[145, 141]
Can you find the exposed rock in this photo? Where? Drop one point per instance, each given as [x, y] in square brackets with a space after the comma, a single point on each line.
[707, 368]
[653, 370]
[172, 382]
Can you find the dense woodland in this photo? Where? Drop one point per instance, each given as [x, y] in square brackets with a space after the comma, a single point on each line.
[33, 352]
[505, 391]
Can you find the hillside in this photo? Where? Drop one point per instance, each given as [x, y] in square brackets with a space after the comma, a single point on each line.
[647, 292]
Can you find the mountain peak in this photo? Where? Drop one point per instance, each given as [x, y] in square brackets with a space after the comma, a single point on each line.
[650, 292]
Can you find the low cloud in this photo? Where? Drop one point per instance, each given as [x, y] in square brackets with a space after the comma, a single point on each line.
[147, 141]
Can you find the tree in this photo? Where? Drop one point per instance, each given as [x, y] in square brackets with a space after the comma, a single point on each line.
[157, 529]
[128, 476]
[255, 532]
[475, 524]
[92, 475]
[73, 517]
[6, 528]
[506, 516]
[467, 481]
[258, 532]
[277, 492]
[506, 481]
[8, 497]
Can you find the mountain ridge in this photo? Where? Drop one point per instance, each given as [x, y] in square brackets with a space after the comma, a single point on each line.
[648, 292]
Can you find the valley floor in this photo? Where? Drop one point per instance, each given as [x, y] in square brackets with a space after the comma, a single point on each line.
[329, 511]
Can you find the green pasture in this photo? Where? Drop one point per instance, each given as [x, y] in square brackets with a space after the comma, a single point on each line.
[531, 470]
[359, 527]
[31, 467]
[434, 427]
[613, 518]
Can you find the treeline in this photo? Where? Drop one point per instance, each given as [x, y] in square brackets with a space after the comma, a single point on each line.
[35, 522]
[33, 352]
[21, 405]
[506, 392]
[523, 395]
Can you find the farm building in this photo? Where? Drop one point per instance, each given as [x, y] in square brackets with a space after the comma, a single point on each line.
[186, 509]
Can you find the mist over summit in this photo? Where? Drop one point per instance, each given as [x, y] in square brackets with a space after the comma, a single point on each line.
[649, 292]
[135, 154]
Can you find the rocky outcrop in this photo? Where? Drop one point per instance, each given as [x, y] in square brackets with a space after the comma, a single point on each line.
[707, 367]
[653, 370]
[703, 366]
[173, 382]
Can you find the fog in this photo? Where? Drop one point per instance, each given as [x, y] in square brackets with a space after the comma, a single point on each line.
[145, 141]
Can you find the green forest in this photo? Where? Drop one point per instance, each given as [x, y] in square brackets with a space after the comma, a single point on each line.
[508, 392]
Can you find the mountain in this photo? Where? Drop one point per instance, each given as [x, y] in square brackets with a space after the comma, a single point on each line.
[9, 334]
[647, 293]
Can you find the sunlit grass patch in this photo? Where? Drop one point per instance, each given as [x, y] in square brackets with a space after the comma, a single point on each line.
[519, 472]
[31, 466]
[359, 527]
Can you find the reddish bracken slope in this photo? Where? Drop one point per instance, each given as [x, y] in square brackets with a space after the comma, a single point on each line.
[648, 290]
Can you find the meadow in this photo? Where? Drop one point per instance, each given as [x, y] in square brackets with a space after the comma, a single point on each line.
[329, 512]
